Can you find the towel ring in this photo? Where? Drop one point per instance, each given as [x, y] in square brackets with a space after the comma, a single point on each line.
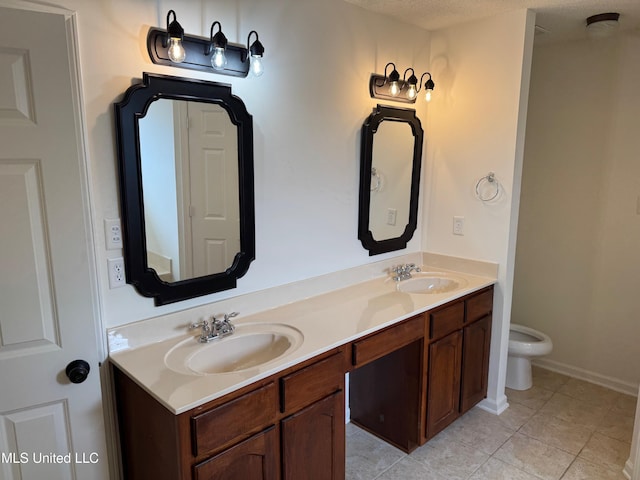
[378, 180]
[487, 181]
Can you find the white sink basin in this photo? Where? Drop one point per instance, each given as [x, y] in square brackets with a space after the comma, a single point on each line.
[250, 346]
[432, 282]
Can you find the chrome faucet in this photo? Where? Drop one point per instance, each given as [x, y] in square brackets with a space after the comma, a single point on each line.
[215, 328]
[403, 272]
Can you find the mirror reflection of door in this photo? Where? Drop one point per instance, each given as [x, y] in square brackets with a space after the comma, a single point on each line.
[190, 188]
[392, 167]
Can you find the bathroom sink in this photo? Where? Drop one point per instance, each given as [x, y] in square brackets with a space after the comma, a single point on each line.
[251, 346]
[431, 282]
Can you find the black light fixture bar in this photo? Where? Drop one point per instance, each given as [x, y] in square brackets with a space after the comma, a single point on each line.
[380, 87]
[391, 86]
[196, 59]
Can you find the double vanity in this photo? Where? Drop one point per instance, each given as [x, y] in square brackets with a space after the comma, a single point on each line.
[263, 396]
[268, 401]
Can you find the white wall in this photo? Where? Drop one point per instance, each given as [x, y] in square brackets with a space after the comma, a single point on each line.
[307, 110]
[577, 265]
[476, 126]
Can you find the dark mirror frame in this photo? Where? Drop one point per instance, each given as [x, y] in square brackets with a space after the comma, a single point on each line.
[128, 112]
[380, 114]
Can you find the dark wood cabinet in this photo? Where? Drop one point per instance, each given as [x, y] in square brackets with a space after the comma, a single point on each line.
[385, 396]
[278, 428]
[313, 441]
[458, 359]
[386, 381]
[475, 362]
[443, 389]
[255, 458]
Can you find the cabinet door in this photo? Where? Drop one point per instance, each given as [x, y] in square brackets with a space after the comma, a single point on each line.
[443, 386]
[256, 458]
[475, 362]
[313, 443]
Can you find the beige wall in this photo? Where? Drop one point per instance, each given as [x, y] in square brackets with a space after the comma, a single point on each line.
[476, 125]
[578, 262]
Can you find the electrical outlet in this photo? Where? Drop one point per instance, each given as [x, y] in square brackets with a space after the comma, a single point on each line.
[458, 225]
[112, 233]
[116, 272]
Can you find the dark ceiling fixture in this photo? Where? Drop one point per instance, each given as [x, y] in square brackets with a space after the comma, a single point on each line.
[603, 24]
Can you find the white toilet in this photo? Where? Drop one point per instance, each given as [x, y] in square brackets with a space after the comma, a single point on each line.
[524, 344]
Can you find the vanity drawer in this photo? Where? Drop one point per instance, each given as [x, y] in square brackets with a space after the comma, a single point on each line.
[479, 306]
[446, 320]
[312, 383]
[235, 420]
[387, 341]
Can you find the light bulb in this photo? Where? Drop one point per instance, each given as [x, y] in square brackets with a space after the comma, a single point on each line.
[218, 59]
[427, 95]
[412, 92]
[257, 67]
[176, 51]
[394, 89]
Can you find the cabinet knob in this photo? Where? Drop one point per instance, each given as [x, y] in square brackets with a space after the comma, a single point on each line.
[78, 371]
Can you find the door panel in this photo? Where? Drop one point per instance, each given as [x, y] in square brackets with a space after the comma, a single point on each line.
[215, 208]
[253, 459]
[47, 289]
[24, 256]
[443, 394]
[320, 456]
[475, 362]
[34, 433]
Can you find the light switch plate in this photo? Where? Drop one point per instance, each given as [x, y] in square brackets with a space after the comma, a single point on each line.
[112, 233]
[458, 225]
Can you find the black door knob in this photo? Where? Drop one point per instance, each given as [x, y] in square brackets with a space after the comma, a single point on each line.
[78, 371]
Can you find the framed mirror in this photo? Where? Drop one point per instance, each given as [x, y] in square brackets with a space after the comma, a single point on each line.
[185, 154]
[390, 160]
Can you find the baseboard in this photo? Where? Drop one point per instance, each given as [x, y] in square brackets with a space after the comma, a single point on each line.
[627, 471]
[494, 406]
[592, 377]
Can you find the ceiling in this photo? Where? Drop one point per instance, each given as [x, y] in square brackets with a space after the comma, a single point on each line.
[560, 19]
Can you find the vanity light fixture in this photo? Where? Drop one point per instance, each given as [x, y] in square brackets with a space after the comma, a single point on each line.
[256, 52]
[215, 54]
[428, 86]
[174, 38]
[392, 87]
[412, 84]
[218, 46]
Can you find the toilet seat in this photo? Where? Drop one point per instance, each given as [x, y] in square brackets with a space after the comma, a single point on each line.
[525, 341]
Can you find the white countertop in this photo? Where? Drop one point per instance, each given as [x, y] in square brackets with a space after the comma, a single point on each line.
[325, 321]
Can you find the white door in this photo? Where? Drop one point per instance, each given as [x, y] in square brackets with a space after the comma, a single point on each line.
[50, 428]
[213, 186]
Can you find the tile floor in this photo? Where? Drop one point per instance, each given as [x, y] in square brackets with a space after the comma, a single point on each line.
[562, 428]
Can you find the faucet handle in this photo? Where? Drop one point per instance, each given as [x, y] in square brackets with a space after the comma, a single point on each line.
[201, 324]
[224, 325]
